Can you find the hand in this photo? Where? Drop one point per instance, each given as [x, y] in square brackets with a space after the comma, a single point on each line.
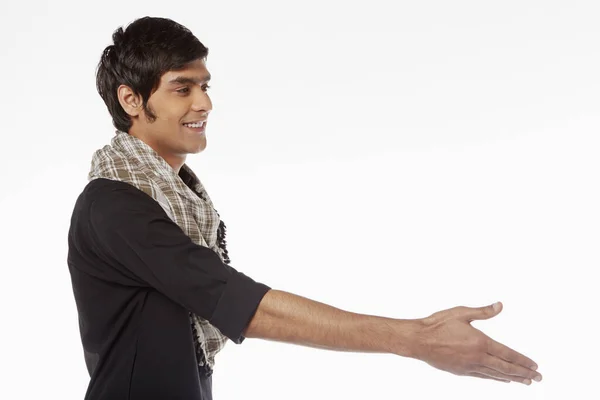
[447, 341]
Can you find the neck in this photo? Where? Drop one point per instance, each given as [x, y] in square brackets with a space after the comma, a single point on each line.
[176, 161]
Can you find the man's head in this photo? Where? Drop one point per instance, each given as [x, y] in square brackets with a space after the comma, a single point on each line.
[153, 80]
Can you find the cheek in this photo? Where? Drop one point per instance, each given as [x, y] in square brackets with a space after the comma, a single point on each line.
[172, 111]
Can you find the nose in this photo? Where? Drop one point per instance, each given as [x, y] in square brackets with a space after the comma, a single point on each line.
[201, 101]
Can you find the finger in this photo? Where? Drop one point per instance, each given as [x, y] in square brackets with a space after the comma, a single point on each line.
[479, 313]
[482, 376]
[499, 375]
[508, 354]
[507, 368]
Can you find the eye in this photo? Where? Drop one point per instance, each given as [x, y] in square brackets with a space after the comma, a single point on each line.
[206, 87]
[183, 90]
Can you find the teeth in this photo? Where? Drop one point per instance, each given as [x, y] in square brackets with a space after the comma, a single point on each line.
[196, 125]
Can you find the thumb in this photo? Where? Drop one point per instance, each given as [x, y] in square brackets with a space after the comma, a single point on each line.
[480, 313]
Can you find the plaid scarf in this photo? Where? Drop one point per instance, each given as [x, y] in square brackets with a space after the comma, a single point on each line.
[186, 202]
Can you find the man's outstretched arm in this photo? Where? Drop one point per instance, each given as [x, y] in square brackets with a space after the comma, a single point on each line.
[445, 340]
[134, 236]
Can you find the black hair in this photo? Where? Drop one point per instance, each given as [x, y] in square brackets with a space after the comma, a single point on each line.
[138, 57]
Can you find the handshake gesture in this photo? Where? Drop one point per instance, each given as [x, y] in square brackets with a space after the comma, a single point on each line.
[447, 341]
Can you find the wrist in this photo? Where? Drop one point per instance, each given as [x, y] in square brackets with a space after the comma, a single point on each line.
[408, 337]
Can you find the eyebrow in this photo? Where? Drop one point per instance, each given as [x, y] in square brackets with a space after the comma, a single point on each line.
[182, 80]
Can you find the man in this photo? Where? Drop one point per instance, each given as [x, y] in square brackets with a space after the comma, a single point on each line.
[156, 296]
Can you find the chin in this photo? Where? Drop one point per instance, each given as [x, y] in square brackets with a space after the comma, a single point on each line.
[198, 148]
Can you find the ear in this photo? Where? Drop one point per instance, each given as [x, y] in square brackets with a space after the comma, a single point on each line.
[131, 103]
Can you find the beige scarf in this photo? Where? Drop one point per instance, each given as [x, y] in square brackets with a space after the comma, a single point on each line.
[129, 159]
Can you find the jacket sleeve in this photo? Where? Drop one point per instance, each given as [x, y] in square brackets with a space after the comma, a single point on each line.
[131, 231]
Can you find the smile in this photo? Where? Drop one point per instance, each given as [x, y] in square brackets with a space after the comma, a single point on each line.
[199, 124]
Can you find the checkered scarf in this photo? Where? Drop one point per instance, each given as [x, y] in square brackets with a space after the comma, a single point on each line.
[129, 159]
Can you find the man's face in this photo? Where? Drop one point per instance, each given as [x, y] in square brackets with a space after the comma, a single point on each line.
[180, 99]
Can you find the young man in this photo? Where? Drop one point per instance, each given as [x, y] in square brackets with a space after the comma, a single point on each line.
[156, 296]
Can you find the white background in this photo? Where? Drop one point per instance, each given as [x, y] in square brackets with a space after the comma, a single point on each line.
[390, 158]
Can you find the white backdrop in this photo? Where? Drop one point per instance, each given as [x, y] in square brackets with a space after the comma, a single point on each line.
[391, 158]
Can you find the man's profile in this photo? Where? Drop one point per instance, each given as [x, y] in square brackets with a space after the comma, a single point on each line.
[156, 294]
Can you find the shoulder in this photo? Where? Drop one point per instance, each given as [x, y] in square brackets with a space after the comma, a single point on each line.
[107, 200]
[98, 188]
[101, 189]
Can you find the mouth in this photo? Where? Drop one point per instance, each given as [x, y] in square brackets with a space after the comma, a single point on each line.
[196, 126]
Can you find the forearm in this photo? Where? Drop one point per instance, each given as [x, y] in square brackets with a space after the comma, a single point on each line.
[290, 318]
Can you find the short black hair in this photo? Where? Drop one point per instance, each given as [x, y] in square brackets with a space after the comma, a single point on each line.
[139, 56]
